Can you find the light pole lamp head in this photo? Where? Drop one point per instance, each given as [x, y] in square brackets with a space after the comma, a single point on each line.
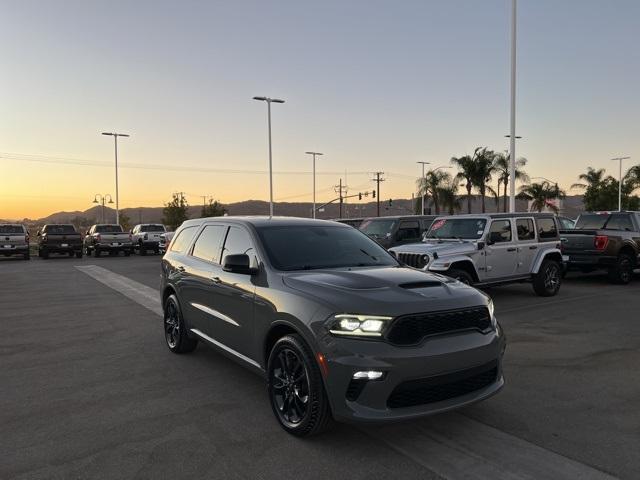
[276, 100]
[262, 99]
[95, 199]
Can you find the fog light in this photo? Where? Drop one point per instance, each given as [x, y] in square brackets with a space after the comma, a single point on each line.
[368, 375]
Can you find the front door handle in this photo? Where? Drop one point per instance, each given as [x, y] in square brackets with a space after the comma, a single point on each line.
[216, 280]
[512, 249]
[180, 269]
[533, 247]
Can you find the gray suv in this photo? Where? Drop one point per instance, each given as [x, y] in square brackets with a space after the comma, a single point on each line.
[484, 250]
[337, 327]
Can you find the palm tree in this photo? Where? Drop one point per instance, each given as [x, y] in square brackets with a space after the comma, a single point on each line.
[448, 195]
[432, 184]
[593, 178]
[503, 169]
[484, 169]
[467, 172]
[542, 194]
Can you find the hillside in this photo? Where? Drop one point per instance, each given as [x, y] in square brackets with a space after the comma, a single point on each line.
[572, 207]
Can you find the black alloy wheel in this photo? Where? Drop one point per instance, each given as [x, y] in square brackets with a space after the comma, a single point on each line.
[546, 282]
[461, 276]
[175, 332]
[622, 273]
[296, 389]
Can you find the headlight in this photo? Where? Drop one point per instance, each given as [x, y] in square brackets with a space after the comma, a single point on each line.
[491, 309]
[358, 325]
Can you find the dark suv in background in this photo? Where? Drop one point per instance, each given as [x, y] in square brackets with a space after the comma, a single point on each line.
[392, 231]
[333, 322]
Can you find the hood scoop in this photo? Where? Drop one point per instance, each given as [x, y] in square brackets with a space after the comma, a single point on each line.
[417, 285]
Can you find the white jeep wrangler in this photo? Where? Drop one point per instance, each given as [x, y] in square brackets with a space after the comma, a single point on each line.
[490, 249]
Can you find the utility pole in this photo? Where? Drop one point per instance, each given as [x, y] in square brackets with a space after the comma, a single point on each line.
[423, 193]
[378, 179]
[620, 159]
[340, 190]
[314, 179]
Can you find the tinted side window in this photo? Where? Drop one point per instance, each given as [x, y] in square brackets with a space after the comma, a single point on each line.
[619, 222]
[238, 241]
[546, 228]
[207, 246]
[409, 230]
[525, 229]
[500, 231]
[182, 240]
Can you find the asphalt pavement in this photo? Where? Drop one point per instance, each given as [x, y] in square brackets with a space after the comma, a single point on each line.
[89, 390]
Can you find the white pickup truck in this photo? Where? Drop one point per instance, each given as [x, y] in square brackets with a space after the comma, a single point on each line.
[147, 236]
[107, 238]
[14, 240]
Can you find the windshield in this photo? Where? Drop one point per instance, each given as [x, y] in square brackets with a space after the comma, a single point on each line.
[8, 229]
[591, 221]
[458, 228]
[152, 228]
[108, 229]
[377, 228]
[315, 247]
[59, 229]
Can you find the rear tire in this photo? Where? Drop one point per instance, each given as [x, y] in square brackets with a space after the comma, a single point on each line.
[460, 275]
[79, 254]
[126, 253]
[142, 250]
[175, 332]
[27, 256]
[622, 272]
[295, 387]
[44, 254]
[96, 252]
[546, 283]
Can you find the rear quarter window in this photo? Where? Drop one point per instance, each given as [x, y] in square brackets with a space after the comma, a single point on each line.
[182, 240]
[547, 229]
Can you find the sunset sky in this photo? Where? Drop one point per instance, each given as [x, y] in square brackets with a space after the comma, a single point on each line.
[374, 85]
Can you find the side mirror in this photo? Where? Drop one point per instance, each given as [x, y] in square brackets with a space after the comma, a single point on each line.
[239, 263]
[481, 245]
[130, 232]
[38, 233]
[493, 237]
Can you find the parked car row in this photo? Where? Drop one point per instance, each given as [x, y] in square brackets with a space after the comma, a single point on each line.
[65, 239]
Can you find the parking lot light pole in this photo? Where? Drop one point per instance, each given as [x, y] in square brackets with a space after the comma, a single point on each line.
[115, 143]
[269, 101]
[423, 183]
[102, 200]
[620, 159]
[512, 146]
[314, 179]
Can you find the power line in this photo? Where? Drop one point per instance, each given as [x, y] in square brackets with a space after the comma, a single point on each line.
[178, 168]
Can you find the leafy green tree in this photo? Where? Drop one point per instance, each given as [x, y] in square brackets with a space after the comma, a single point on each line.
[466, 173]
[176, 211]
[213, 209]
[448, 195]
[503, 170]
[542, 195]
[125, 222]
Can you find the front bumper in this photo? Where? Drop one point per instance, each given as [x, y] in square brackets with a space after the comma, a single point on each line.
[444, 373]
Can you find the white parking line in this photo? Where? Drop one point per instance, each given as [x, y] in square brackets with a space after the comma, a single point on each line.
[148, 297]
[452, 445]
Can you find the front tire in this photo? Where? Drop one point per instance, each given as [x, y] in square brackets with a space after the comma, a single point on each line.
[44, 254]
[622, 272]
[79, 254]
[460, 275]
[546, 283]
[295, 387]
[175, 332]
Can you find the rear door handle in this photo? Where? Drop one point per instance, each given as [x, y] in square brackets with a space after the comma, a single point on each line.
[533, 247]
[512, 249]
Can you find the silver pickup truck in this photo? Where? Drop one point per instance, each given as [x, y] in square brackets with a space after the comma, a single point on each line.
[107, 238]
[14, 240]
[491, 249]
[147, 236]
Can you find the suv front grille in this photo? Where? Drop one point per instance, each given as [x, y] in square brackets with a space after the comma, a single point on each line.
[412, 329]
[443, 387]
[416, 260]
